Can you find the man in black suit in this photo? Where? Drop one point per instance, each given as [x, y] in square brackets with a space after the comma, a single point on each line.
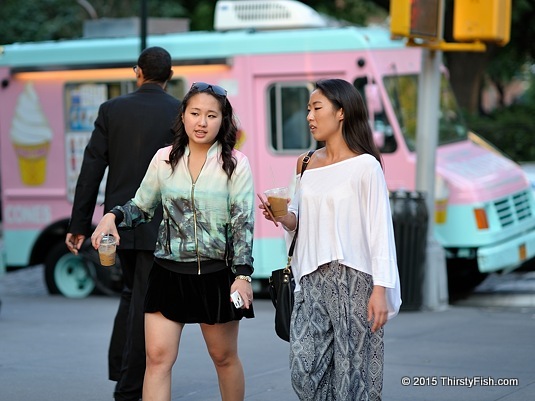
[128, 131]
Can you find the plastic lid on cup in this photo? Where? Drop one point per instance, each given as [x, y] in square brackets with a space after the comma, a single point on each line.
[107, 239]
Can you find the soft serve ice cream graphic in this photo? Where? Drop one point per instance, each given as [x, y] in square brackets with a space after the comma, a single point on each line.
[31, 136]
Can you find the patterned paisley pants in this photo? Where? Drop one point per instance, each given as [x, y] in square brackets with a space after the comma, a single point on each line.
[334, 356]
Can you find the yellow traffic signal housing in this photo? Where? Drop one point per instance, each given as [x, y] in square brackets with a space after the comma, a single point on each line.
[484, 20]
[400, 17]
[416, 18]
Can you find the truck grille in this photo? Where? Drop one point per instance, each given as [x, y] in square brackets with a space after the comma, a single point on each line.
[514, 208]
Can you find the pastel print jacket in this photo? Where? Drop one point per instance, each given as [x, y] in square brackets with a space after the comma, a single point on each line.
[199, 216]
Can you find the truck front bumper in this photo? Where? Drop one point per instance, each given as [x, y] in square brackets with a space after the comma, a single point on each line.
[506, 255]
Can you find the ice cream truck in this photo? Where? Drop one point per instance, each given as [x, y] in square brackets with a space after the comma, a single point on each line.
[267, 54]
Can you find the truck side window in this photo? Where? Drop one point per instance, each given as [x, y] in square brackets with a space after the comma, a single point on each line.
[403, 93]
[378, 119]
[288, 125]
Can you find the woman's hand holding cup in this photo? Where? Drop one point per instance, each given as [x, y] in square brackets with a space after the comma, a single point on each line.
[275, 209]
[106, 226]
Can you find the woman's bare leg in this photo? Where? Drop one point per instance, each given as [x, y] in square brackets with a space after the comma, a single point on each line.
[162, 338]
[222, 343]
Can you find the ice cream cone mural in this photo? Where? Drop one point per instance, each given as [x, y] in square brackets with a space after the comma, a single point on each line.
[31, 136]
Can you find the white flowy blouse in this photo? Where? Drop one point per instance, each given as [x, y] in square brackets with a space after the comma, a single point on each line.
[344, 215]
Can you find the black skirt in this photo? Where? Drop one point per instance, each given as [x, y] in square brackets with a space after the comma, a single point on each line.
[193, 298]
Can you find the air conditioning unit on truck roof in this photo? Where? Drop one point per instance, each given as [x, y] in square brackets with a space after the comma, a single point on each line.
[266, 14]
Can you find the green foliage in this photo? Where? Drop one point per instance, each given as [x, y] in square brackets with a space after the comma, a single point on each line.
[522, 27]
[511, 130]
[529, 95]
[202, 16]
[352, 11]
[49, 20]
[63, 19]
[167, 9]
[508, 61]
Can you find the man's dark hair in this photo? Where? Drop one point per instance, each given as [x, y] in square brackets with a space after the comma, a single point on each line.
[155, 62]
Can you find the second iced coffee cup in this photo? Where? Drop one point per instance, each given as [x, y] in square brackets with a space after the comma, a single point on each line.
[106, 250]
[278, 200]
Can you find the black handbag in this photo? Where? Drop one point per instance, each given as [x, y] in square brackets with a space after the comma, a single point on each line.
[282, 284]
[281, 290]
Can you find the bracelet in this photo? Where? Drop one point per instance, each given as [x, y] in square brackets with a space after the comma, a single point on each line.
[242, 277]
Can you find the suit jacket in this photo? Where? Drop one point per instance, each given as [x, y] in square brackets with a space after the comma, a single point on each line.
[128, 131]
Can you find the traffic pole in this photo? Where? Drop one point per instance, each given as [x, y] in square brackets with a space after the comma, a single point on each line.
[435, 285]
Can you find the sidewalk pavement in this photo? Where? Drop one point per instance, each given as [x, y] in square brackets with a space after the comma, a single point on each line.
[54, 349]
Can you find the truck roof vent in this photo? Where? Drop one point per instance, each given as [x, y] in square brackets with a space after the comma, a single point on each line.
[266, 14]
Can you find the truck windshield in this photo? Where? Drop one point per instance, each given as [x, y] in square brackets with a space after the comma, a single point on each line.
[403, 93]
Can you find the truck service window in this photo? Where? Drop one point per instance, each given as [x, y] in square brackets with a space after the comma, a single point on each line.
[287, 111]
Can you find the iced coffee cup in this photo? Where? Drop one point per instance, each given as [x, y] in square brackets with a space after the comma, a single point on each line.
[278, 200]
[106, 250]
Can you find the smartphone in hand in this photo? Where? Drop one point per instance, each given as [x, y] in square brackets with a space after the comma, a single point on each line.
[266, 207]
[236, 298]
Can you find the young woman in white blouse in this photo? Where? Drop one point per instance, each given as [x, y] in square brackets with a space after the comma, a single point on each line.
[344, 263]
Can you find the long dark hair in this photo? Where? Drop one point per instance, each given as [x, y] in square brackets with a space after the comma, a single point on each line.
[226, 135]
[356, 129]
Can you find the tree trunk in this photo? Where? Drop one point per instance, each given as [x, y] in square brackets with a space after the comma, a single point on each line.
[466, 77]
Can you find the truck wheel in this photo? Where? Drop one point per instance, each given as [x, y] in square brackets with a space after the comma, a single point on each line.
[463, 277]
[69, 275]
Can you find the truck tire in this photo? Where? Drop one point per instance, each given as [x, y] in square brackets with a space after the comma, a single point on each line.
[69, 275]
[463, 277]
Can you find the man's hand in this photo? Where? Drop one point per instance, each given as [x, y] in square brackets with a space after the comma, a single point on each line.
[74, 242]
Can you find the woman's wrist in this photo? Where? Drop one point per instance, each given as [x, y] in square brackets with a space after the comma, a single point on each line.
[118, 215]
[288, 230]
[289, 223]
[243, 270]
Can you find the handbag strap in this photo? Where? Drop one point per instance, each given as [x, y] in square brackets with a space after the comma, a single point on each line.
[304, 166]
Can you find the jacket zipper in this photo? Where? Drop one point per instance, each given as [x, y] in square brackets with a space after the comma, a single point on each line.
[195, 217]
